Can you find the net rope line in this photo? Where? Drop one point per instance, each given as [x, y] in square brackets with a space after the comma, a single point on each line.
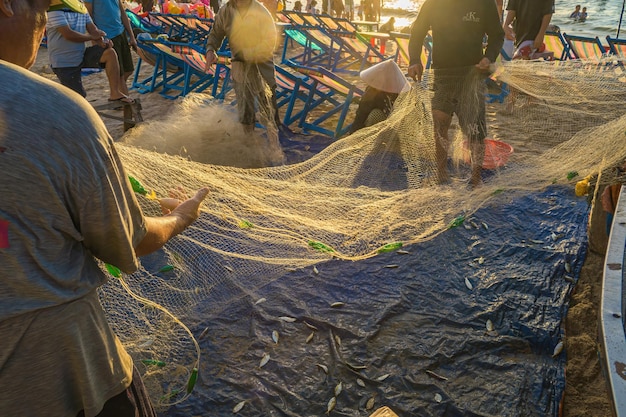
[373, 188]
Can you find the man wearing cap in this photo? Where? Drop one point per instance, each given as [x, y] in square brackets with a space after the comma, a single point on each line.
[69, 27]
[110, 16]
[385, 81]
[459, 66]
[251, 34]
[66, 202]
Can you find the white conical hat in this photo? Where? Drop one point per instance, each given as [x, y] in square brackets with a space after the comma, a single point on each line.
[386, 76]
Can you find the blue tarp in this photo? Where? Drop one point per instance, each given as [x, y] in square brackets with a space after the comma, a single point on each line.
[410, 330]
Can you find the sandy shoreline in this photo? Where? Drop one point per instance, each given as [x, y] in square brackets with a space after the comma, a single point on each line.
[585, 393]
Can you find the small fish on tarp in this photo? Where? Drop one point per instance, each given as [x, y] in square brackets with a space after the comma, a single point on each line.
[331, 405]
[239, 406]
[264, 360]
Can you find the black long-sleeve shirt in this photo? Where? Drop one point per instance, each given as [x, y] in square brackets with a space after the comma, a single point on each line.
[458, 29]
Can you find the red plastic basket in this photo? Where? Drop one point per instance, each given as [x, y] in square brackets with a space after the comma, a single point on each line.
[496, 153]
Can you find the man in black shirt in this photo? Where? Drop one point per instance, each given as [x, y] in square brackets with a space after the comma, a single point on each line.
[460, 65]
[528, 20]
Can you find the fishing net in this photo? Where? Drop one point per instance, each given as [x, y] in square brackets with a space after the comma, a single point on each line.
[374, 191]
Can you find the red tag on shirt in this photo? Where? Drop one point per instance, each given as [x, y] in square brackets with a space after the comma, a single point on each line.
[4, 234]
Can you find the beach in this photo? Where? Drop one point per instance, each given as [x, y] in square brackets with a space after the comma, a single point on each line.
[585, 393]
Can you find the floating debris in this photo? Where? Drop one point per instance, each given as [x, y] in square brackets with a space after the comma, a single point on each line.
[438, 397]
[558, 349]
[360, 382]
[436, 375]
[239, 406]
[338, 389]
[275, 336]
[287, 319]
[310, 337]
[153, 362]
[323, 368]
[390, 247]
[382, 377]
[264, 360]
[260, 300]
[338, 304]
[192, 380]
[331, 405]
[468, 284]
[310, 326]
[166, 268]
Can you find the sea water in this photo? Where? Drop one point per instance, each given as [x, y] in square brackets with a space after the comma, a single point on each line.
[602, 20]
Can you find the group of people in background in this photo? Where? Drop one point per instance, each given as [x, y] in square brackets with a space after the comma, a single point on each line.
[579, 15]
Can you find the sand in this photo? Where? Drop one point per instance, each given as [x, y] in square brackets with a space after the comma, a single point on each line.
[586, 390]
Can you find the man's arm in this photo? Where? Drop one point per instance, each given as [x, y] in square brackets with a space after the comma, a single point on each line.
[419, 29]
[129, 29]
[508, 25]
[73, 36]
[216, 37]
[495, 34]
[545, 21]
[162, 229]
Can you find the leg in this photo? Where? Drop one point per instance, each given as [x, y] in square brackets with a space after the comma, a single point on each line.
[71, 78]
[442, 124]
[112, 69]
[125, 59]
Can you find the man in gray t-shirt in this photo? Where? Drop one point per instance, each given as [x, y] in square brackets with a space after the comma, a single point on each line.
[66, 202]
[67, 31]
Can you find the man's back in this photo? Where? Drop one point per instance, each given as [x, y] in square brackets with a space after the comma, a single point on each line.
[528, 17]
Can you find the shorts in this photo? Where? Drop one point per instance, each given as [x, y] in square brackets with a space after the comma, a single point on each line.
[120, 44]
[462, 92]
[71, 76]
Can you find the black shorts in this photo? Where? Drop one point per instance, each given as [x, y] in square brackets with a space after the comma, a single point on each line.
[71, 76]
[120, 44]
[462, 92]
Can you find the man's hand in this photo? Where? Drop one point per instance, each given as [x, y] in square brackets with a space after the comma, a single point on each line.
[210, 60]
[483, 65]
[416, 71]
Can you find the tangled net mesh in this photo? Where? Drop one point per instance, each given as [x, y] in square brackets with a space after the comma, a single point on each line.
[364, 194]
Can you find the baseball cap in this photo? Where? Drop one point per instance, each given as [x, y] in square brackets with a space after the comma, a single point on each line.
[73, 5]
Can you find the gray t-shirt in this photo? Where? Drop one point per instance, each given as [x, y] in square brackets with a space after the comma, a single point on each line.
[66, 201]
[64, 53]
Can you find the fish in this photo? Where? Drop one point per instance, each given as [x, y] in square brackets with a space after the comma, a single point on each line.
[468, 284]
[382, 378]
[204, 333]
[489, 325]
[370, 403]
[337, 304]
[558, 349]
[436, 375]
[402, 252]
[323, 368]
[310, 337]
[438, 397]
[391, 266]
[538, 242]
[310, 326]
[260, 300]
[264, 360]
[287, 319]
[331, 405]
[338, 388]
[485, 225]
[360, 382]
[338, 340]
[275, 336]
[315, 270]
[568, 267]
[238, 407]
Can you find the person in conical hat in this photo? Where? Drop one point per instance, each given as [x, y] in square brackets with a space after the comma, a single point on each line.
[385, 81]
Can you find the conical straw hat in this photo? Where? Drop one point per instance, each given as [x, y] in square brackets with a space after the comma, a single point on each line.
[386, 76]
